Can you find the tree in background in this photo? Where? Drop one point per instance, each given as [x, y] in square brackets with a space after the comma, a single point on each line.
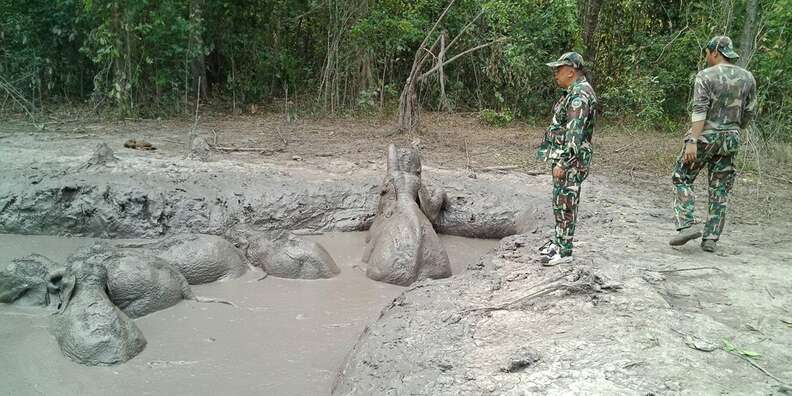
[146, 57]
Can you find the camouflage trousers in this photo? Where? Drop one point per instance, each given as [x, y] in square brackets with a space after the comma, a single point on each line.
[716, 151]
[566, 197]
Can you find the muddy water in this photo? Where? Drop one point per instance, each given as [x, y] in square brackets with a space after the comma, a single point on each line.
[285, 337]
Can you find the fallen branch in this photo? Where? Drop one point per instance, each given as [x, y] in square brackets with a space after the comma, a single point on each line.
[20, 99]
[758, 367]
[549, 286]
[467, 154]
[285, 143]
[622, 148]
[740, 354]
[778, 178]
[682, 269]
[225, 148]
[535, 171]
[499, 168]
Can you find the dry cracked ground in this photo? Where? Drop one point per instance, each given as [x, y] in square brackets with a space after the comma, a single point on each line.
[630, 315]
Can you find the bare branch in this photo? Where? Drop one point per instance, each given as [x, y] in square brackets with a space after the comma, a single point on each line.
[676, 36]
[464, 29]
[426, 39]
[455, 57]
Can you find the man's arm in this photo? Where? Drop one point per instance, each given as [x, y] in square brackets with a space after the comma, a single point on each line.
[701, 105]
[578, 111]
[750, 108]
[696, 129]
[701, 101]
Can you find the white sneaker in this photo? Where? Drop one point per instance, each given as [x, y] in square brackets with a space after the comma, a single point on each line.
[548, 249]
[555, 259]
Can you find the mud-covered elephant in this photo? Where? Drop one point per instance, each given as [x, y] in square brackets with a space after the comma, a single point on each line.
[23, 281]
[98, 292]
[89, 328]
[200, 258]
[402, 246]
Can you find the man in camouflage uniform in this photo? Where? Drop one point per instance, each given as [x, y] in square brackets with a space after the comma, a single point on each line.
[724, 102]
[567, 147]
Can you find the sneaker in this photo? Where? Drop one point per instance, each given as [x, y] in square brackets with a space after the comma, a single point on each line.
[684, 237]
[555, 259]
[548, 249]
[708, 245]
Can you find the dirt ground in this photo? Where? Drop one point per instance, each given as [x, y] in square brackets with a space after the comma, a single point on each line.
[626, 155]
[640, 339]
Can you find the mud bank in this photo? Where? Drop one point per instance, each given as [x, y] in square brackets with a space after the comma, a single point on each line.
[142, 195]
[285, 337]
[620, 320]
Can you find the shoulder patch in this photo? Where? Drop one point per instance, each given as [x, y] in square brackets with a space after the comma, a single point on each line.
[576, 103]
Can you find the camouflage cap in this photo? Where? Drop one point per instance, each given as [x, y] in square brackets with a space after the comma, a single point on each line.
[724, 45]
[568, 59]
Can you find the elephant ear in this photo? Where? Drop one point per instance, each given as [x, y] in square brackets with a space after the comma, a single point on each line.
[61, 284]
[431, 202]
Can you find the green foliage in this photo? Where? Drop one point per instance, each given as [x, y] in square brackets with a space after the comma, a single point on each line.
[39, 49]
[771, 68]
[144, 56]
[495, 118]
[640, 99]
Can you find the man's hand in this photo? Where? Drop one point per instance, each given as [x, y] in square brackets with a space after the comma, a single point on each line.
[690, 153]
[558, 172]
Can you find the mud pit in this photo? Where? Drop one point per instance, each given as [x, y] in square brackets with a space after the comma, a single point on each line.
[280, 331]
[285, 337]
[613, 324]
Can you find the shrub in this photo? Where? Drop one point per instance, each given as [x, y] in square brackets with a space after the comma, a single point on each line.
[496, 118]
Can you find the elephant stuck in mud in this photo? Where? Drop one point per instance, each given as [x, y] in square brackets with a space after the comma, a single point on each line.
[24, 280]
[201, 258]
[402, 245]
[96, 295]
[88, 327]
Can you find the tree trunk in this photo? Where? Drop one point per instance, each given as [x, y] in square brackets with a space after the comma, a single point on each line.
[120, 76]
[198, 63]
[748, 32]
[408, 107]
[409, 112]
[444, 105]
[728, 15]
[590, 25]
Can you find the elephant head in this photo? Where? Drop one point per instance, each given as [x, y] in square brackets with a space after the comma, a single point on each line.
[60, 284]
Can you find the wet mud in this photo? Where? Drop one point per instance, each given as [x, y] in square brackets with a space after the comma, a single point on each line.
[285, 336]
[629, 316]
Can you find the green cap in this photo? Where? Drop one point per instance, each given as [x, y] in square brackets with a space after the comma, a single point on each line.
[724, 45]
[568, 59]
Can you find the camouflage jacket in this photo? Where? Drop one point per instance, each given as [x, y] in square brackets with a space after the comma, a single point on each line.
[724, 96]
[569, 135]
